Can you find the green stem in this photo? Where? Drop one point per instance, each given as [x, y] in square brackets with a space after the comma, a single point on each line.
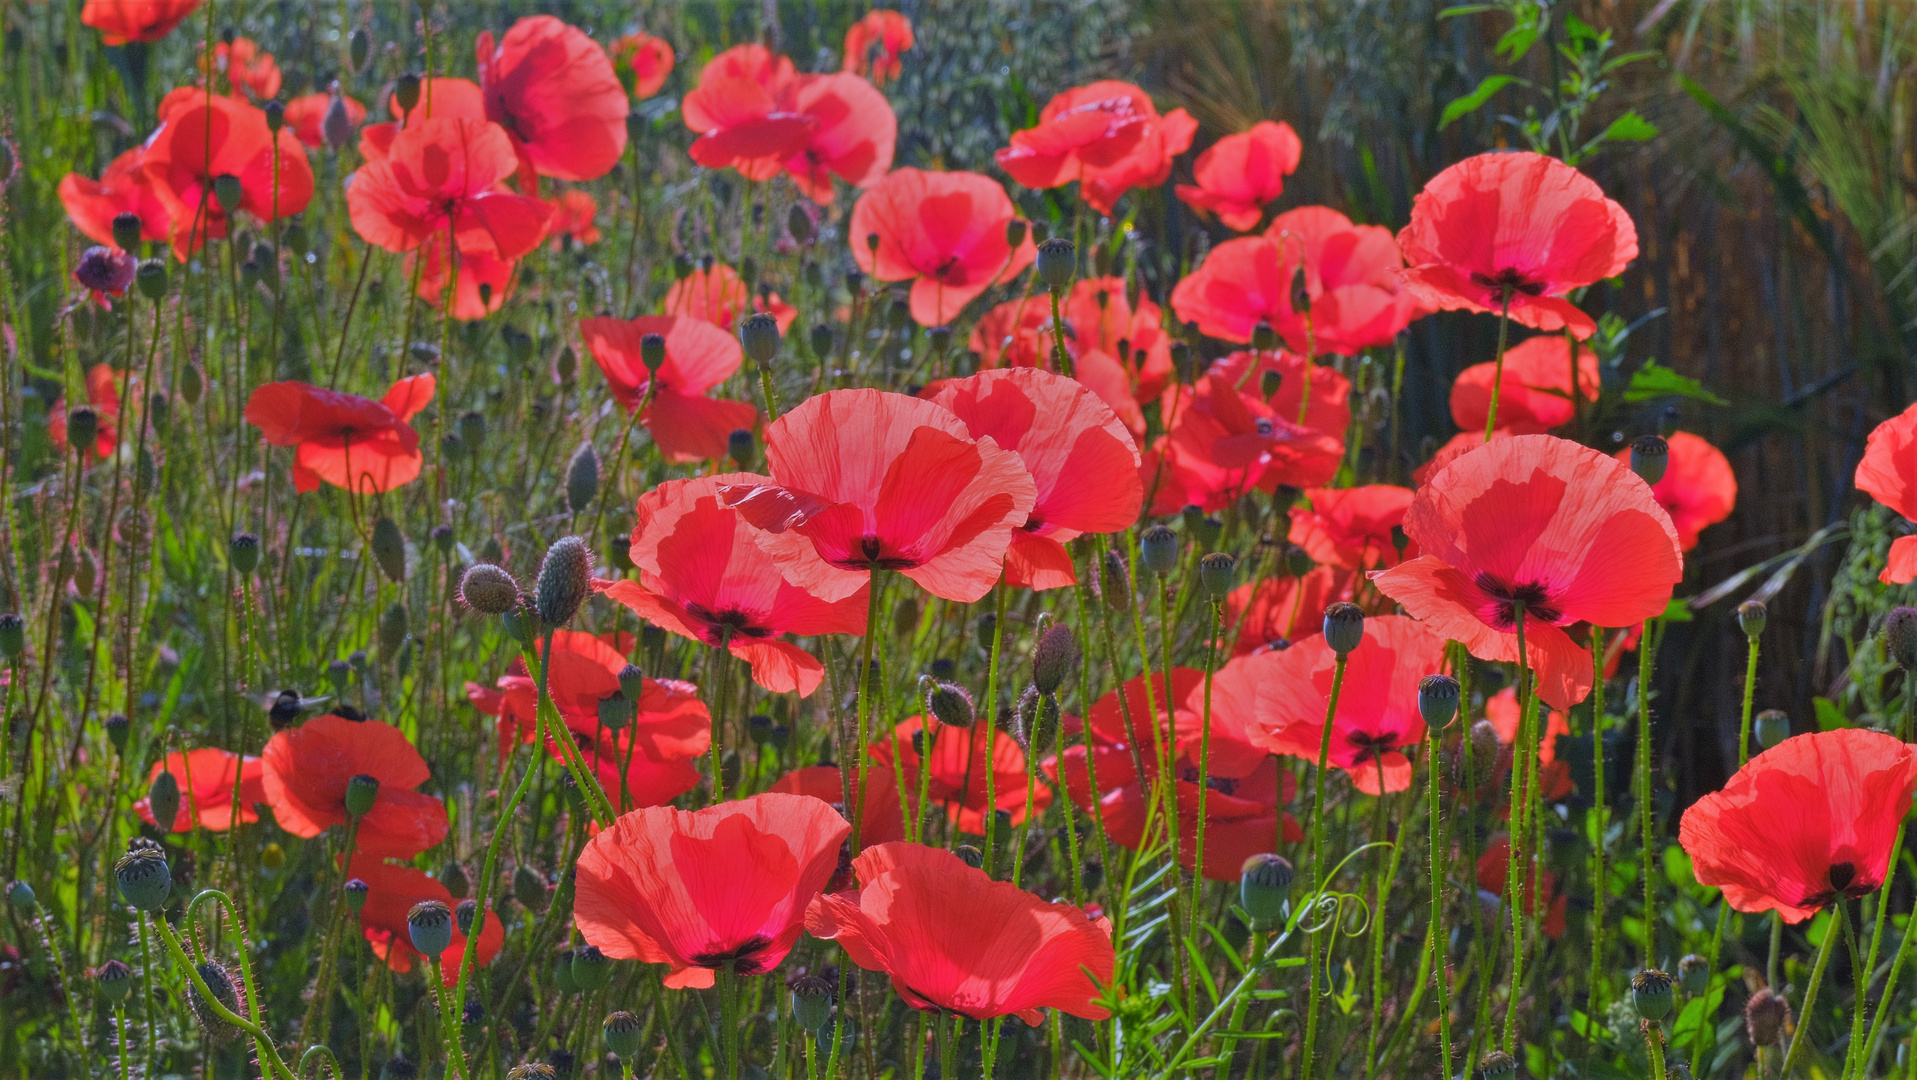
[1204, 765]
[1804, 1014]
[1646, 649]
[1750, 688]
[1060, 358]
[1439, 873]
[1602, 820]
[990, 721]
[859, 753]
[1497, 381]
[1319, 876]
[1524, 757]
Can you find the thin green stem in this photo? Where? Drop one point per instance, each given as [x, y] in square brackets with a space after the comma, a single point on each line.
[1320, 876]
[1804, 1013]
[1497, 381]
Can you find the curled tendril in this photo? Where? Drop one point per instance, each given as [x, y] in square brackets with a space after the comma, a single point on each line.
[324, 1055]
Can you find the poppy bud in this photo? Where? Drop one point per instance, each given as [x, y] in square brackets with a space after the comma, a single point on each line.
[275, 116]
[950, 704]
[488, 590]
[143, 877]
[361, 790]
[249, 274]
[1054, 658]
[1015, 232]
[1158, 550]
[565, 579]
[1264, 338]
[619, 550]
[568, 363]
[811, 1002]
[939, 339]
[1215, 574]
[191, 383]
[163, 798]
[151, 278]
[582, 478]
[590, 968]
[389, 549]
[463, 914]
[632, 682]
[1751, 617]
[1184, 362]
[1300, 292]
[1650, 456]
[1497, 1065]
[83, 429]
[455, 879]
[970, 856]
[1438, 700]
[430, 926]
[740, 447]
[984, 630]
[821, 339]
[1484, 754]
[1773, 726]
[1344, 627]
[339, 673]
[272, 857]
[392, 628]
[1651, 993]
[652, 352]
[623, 1031]
[1269, 382]
[443, 538]
[115, 981]
[227, 191]
[615, 711]
[799, 224]
[359, 47]
[219, 982]
[406, 92]
[1264, 886]
[126, 230]
[13, 635]
[117, 730]
[1041, 728]
[759, 334]
[1057, 263]
[20, 895]
[398, 1068]
[635, 125]
[1766, 1015]
[1114, 581]
[1693, 974]
[1900, 637]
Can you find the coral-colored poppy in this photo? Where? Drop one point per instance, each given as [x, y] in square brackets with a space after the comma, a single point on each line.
[307, 769]
[756, 114]
[719, 295]
[206, 789]
[306, 115]
[1229, 746]
[440, 174]
[1121, 351]
[1352, 527]
[1081, 458]
[1274, 612]
[720, 889]
[1804, 823]
[554, 92]
[884, 819]
[122, 189]
[484, 284]
[942, 231]
[650, 59]
[1243, 815]
[1240, 173]
[702, 575]
[122, 21]
[952, 938]
[1493, 874]
[864, 480]
[1568, 532]
[439, 99]
[687, 425]
[960, 759]
[201, 138]
[575, 214]
[1698, 489]
[874, 43]
[1225, 443]
[343, 439]
[1888, 473]
[247, 70]
[1108, 136]
[391, 892]
[1521, 225]
[103, 394]
[1554, 775]
[1535, 394]
[1329, 409]
[1130, 722]
[1353, 275]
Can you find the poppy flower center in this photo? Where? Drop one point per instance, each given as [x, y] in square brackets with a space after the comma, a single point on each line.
[745, 959]
[724, 625]
[872, 557]
[1506, 598]
[1842, 878]
[1510, 278]
[1371, 746]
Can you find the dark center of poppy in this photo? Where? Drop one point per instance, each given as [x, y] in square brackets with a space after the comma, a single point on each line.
[1278, 644]
[1843, 881]
[1506, 598]
[950, 264]
[1510, 278]
[723, 626]
[1371, 746]
[1266, 427]
[745, 959]
[1033, 524]
[869, 554]
[1841, 875]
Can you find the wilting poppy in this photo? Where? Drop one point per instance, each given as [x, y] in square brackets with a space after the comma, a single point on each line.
[105, 272]
[942, 231]
[1352, 527]
[1081, 458]
[1377, 715]
[960, 759]
[444, 174]
[1554, 775]
[306, 115]
[756, 114]
[873, 45]
[1493, 874]
[575, 214]
[1108, 136]
[884, 817]
[1888, 473]
[103, 395]
[719, 295]
[1226, 443]
[1274, 612]
[1240, 173]
[1805, 823]
[202, 138]
[247, 70]
[122, 21]
[719, 889]
[703, 576]
[864, 480]
[1698, 489]
[307, 769]
[391, 892]
[554, 92]
[687, 425]
[1535, 393]
[1517, 228]
[650, 59]
[1567, 532]
[952, 938]
[122, 189]
[1119, 350]
[343, 439]
[206, 789]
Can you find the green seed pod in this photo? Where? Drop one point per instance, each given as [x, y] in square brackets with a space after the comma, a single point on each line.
[1693, 974]
[83, 429]
[1114, 581]
[359, 47]
[20, 896]
[115, 981]
[463, 914]
[163, 798]
[117, 730]
[296, 240]
[616, 711]
[582, 478]
[1158, 550]
[472, 430]
[243, 553]
[1438, 700]
[939, 340]
[1497, 1065]
[985, 630]
[590, 968]
[1773, 726]
[226, 991]
[1751, 617]
[275, 116]
[759, 334]
[13, 635]
[632, 682]
[799, 224]
[1057, 263]
[143, 877]
[565, 580]
[1215, 573]
[488, 590]
[1054, 659]
[1297, 561]
[1185, 362]
[355, 891]
[151, 278]
[443, 539]
[567, 365]
[1650, 456]
[652, 352]
[970, 856]
[1344, 627]
[429, 924]
[740, 447]
[192, 384]
[1269, 383]
[227, 192]
[811, 1002]
[821, 340]
[126, 230]
[361, 792]
[1651, 993]
[905, 617]
[336, 125]
[392, 629]
[389, 549]
[1264, 887]
[623, 1031]
[1263, 337]
[406, 92]
[1015, 232]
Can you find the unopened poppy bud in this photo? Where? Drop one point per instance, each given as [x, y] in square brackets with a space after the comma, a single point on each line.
[1057, 263]
[392, 628]
[985, 630]
[799, 224]
[455, 879]
[1269, 382]
[590, 968]
[1015, 232]
[529, 888]
[565, 579]
[359, 47]
[740, 447]
[1438, 700]
[151, 278]
[20, 896]
[389, 549]
[567, 365]
[1651, 993]
[272, 857]
[1497, 1065]
[361, 790]
[1344, 627]
[442, 536]
[83, 429]
[355, 891]
[1114, 581]
[1264, 338]
[1054, 658]
[821, 340]
[219, 982]
[488, 590]
[115, 981]
[227, 192]
[1650, 456]
[582, 478]
[429, 924]
[1900, 637]
[336, 126]
[275, 116]
[652, 351]
[117, 730]
[1766, 1015]
[682, 265]
[1773, 726]
[406, 92]
[632, 682]
[1751, 617]
[126, 230]
[1693, 974]
[1184, 362]
[163, 799]
[615, 711]
[970, 856]
[1215, 572]
[1300, 291]
[623, 1032]
[398, 1068]
[1264, 886]
[1158, 550]
[1297, 561]
[13, 635]
[950, 704]
[811, 1002]
[143, 877]
[759, 334]
[939, 339]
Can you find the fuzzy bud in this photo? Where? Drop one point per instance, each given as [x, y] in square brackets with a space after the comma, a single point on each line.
[392, 628]
[163, 798]
[1264, 886]
[389, 549]
[143, 877]
[582, 478]
[1344, 627]
[336, 126]
[1766, 1015]
[1158, 550]
[489, 590]
[565, 580]
[1900, 637]
[1650, 456]
[219, 982]
[1114, 581]
[1054, 658]
[1438, 700]
[950, 704]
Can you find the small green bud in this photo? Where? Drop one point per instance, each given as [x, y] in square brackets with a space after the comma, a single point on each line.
[406, 92]
[1264, 887]
[243, 553]
[361, 791]
[1773, 726]
[1650, 456]
[950, 704]
[488, 590]
[151, 278]
[227, 192]
[389, 549]
[811, 1002]
[1054, 658]
[163, 798]
[1263, 337]
[1751, 617]
[582, 478]
[652, 352]
[13, 635]
[1900, 637]
[392, 628]
[220, 982]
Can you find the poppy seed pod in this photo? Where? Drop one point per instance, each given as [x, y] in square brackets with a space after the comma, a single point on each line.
[275, 116]
[1184, 362]
[1269, 383]
[1900, 637]
[1057, 263]
[590, 968]
[799, 224]
[1497, 1065]
[1158, 550]
[336, 126]
[1015, 231]
[1263, 337]
[1438, 700]
[1297, 561]
[13, 635]
[950, 704]
[361, 791]
[1773, 726]
[740, 447]
[463, 914]
[939, 339]
[443, 538]
[389, 549]
[1651, 993]
[228, 192]
[143, 877]
[472, 429]
[126, 230]
[117, 730]
[488, 590]
[529, 888]
[151, 278]
[1344, 627]
[652, 351]
[1751, 617]
[243, 553]
[759, 334]
[1650, 456]
[163, 798]
[219, 982]
[970, 856]
[83, 429]
[616, 711]
[355, 891]
[359, 47]
[455, 879]
[1215, 573]
[568, 363]
[115, 981]
[623, 1031]
[565, 579]
[582, 478]
[821, 339]
[406, 92]
[1054, 658]
[392, 628]
[1766, 1015]
[429, 924]
[632, 682]
[635, 125]
[811, 1002]
[20, 896]
[1693, 974]
[1264, 886]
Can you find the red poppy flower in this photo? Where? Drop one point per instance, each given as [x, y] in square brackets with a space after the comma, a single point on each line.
[575, 214]
[884, 33]
[1567, 531]
[485, 281]
[343, 439]
[1517, 223]
[1352, 527]
[1234, 704]
[884, 819]
[122, 21]
[1494, 873]
[702, 575]
[1120, 351]
[441, 174]
[1108, 721]
[122, 189]
[553, 90]
[1888, 473]
[719, 889]
[866, 480]
[650, 59]
[201, 138]
[306, 115]
[1244, 816]
[1804, 823]
[103, 394]
[439, 99]
[719, 295]
[1329, 412]
[1353, 276]
[1081, 458]
[247, 70]
[391, 892]
[307, 769]
[1240, 173]
[755, 114]
[1225, 443]
[206, 789]
[1276, 611]
[1698, 489]
[687, 425]
[1535, 395]
[952, 938]
[1554, 776]
[1108, 136]
[942, 231]
[960, 758]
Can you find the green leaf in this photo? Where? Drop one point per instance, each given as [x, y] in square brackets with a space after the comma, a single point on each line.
[1474, 100]
[1463, 9]
[1678, 610]
[1829, 716]
[1629, 128]
[1654, 380]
